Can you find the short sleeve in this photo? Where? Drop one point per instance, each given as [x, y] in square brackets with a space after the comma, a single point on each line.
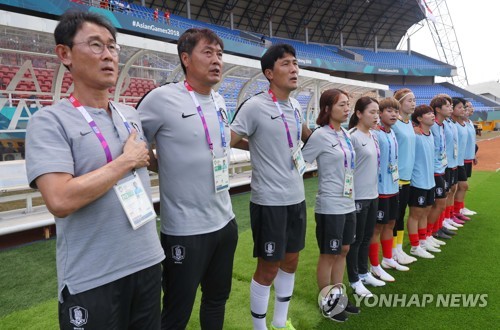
[148, 113]
[245, 119]
[313, 147]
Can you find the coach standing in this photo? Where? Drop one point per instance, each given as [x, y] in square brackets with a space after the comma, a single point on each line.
[84, 157]
[272, 121]
[188, 123]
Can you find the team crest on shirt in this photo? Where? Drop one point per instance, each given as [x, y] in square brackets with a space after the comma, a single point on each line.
[358, 207]
[439, 191]
[421, 200]
[380, 215]
[178, 253]
[78, 316]
[334, 244]
[269, 248]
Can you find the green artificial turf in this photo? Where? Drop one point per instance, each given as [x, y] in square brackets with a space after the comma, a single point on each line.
[467, 265]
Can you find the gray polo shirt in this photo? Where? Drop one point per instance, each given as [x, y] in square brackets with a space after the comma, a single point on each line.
[366, 172]
[275, 180]
[326, 148]
[96, 244]
[189, 204]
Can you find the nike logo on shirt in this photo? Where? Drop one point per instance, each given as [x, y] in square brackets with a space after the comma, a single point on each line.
[85, 133]
[273, 118]
[364, 144]
[334, 145]
[186, 116]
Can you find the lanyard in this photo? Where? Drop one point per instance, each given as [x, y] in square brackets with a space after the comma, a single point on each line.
[348, 141]
[389, 143]
[377, 147]
[442, 138]
[96, 129]
[204, 122]
[297, 121]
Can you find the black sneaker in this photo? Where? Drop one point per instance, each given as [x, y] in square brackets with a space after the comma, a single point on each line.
[352, 309]
[340, 317]
[441, 234]
[447, 231]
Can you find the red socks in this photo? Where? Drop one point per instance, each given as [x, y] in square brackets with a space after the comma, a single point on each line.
[422, 234]
[458, 206]
[413, 239]
[387, 248]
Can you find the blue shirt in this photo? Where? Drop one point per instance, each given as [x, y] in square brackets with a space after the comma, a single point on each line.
[462, 142]
[470, 150]
[423, 171]
[439, 147]
[450, 131]
[406, 140]
[388, 157]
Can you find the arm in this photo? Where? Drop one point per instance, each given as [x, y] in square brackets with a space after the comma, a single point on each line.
[237, 141]
[153, 161]
[65, 194]
[306, 132]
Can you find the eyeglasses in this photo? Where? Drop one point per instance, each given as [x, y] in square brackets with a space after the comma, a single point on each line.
[97, 47]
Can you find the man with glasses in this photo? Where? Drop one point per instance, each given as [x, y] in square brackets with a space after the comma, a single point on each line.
[86, 155]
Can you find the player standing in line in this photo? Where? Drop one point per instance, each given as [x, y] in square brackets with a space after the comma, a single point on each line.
[422, 184]
[365, 144]
[188, 122]
[442, 110]
[450, 222]
[405, 136]
[272, 122]
[458, 116]
[470, 151]
[388, 189]
[331, 146]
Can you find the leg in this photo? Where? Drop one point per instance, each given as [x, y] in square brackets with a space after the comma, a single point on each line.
[216, 284]
[146, 307]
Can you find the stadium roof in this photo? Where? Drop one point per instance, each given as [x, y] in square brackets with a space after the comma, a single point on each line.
[358, 20]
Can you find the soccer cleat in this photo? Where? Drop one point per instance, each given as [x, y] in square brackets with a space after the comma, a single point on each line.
[441, 234]
[361, 290]
[352, 309]
[428, 241]
[461, 216]
[448, 226]
[406, 256]
[421, 253]
[436, 241]
[467, 212]
[288, 326]
[368, 279]
[448, 232]
[457, 221]
[391, 263]
[377, 271]
[401, 258]
[428, 247]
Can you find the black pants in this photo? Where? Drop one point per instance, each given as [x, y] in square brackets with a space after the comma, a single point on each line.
[205, 259]
[404, 198]
[357, 257]
[132, 302]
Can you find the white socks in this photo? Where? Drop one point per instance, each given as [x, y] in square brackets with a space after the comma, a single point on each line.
[259, 299]
[283, 289]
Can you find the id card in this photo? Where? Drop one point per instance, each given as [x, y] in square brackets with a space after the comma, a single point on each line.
[395, 173]
[444, 159]
[299, 161]
[135, 201]
[348, 182]
[221, 174]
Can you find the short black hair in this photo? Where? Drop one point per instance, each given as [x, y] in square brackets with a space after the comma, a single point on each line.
[72, 20]
[274, 53]
[190, 38]
[457, 100]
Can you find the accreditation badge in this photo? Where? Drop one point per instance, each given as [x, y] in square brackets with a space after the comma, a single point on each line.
[395, 173]
[444, 159]
[348, 182]
[221, 174]
[135, 201]
[298, 161]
